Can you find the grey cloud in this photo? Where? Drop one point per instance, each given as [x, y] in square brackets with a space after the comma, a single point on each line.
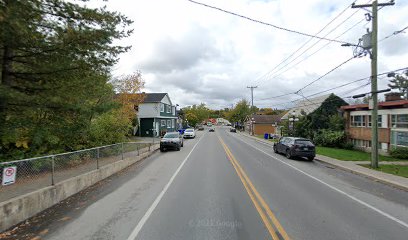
[180, 54]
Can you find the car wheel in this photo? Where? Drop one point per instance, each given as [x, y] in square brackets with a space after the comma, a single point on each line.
[178, 149]
[161, 149]
[310, 158]
[275, 150]
[288, 155]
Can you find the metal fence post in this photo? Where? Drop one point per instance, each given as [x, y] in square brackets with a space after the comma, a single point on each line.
[149, 146]
[137, 146]
[52, 170]
[122, 151]
[97, 158]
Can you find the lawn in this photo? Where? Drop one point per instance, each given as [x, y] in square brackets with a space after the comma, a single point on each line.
[350, 155]
[262, 137]
[392, 169]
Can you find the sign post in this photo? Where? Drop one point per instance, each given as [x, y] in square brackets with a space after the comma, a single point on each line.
[9, 175]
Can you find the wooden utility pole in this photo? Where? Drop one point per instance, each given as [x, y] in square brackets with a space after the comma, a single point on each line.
[374, 91]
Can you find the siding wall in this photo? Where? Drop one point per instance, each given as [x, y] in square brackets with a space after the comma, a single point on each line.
[260, 129]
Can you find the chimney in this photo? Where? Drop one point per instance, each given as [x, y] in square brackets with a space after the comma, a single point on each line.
[392, 96]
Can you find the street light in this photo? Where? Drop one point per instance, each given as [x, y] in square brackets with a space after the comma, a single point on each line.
[293, 119]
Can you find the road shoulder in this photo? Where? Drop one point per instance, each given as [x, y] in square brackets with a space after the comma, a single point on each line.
[386, 178]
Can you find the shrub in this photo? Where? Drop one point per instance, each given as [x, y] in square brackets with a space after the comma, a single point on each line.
[399, 152]
[348, 146]
[329, 138]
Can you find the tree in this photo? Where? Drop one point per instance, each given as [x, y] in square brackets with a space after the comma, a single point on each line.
[400, 82]
[55, 59]
[200, 111]
[239, 112]
[128, 89]
[192, 119]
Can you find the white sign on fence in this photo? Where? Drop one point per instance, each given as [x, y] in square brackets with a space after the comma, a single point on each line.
[9, 175]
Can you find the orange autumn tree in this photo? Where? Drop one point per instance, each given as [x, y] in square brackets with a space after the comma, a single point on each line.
[128, 88]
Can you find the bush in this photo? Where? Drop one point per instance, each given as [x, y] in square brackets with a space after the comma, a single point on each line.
[348, 146]
[329, 138]
[399, 152]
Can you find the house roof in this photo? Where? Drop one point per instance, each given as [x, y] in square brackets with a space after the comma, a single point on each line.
[306, 106]
[153, 97]
[390, 104]
[266, 118]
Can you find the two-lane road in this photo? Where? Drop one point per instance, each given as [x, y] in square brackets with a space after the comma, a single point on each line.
[224, 185]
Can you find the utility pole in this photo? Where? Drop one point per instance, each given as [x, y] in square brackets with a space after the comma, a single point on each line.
[252, 94]
[374, 92]
[252, 106]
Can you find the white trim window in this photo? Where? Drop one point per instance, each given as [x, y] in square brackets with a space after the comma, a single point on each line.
[168, 108]
[161, 107]
[379, 123]
[169, 123]
[399, 121]
[399, 138]
[174, 111]
[358, 121]
[172, 123]
[163, 123]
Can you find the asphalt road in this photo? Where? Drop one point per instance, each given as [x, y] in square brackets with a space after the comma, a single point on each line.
[226, 186]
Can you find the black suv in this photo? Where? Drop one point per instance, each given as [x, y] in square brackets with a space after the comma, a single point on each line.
[295, 147]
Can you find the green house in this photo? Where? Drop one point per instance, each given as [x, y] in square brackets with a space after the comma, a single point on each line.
[156, 115]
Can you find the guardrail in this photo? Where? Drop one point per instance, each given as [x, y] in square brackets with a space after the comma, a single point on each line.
[35, 173]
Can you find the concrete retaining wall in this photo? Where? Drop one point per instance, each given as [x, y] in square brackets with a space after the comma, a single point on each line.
[18, 209]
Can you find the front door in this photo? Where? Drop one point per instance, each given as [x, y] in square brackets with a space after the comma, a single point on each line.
[157, 129]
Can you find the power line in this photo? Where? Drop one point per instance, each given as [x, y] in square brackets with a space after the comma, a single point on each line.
[394, 33]
[271, 72]
[277, 74]
[340, 86]
[327, 73]
[319, 78]
[265, 23]
[293, 53]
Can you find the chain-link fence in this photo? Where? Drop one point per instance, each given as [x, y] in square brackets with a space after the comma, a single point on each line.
[35, 173]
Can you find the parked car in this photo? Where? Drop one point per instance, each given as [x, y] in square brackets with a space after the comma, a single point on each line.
[212, 129]
[200, 128]
[189, 133]
[295, 147]
[233, 130]
[171, 140]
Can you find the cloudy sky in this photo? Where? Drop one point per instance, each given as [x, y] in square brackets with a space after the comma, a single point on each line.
[198, 54]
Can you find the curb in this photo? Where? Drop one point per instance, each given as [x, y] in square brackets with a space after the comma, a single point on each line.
[376, 179]
[384, 181]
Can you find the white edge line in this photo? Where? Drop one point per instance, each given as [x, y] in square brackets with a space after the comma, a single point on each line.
[143, 220]
[334, 188]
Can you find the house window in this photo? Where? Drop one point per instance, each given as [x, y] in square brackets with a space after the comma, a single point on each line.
[168, 123]
[399, 121]
[379, 120]
[174, 111]
[161, 107]
[172, 123]
[168, 108]
[163, 123]
[358, 121]
[399, 139]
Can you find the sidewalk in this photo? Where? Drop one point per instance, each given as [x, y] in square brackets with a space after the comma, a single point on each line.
[354, 167]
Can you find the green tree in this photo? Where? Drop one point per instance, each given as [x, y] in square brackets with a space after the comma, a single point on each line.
[200, 111]
[240, 112]
[400, 82]
[192, 119]
[55, 58]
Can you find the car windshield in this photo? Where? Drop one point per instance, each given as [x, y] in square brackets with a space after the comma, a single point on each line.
[189, 130]
[171, 135]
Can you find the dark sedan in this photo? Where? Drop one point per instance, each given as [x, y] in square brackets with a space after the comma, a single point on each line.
[171, 140]
[295, 147]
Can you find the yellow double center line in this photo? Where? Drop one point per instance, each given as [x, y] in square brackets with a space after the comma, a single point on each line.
[263, 209]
